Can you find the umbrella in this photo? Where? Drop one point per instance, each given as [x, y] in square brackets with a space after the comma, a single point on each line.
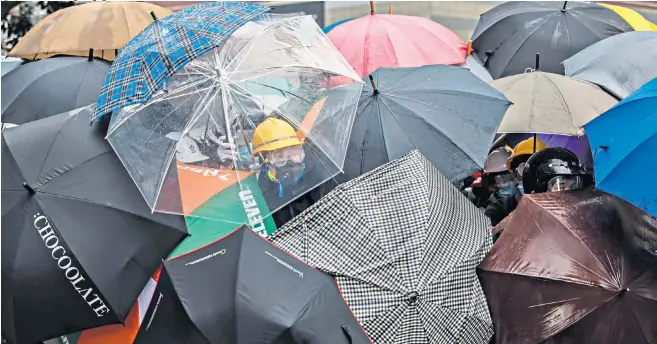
[193, 148]
[393, 41]
[45, 88]
[403, 244]
[9, 64]
[562, 273]
[508, 36]
[203, 26]
[243, 289]
[619, 64]
[446, 112]
[624, 141]
[332, 26]
[124, 333]
[550, 103]
[78, 243]
[477, 68]
[104, 27]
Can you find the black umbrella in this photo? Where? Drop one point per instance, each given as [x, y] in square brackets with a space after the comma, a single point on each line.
[447, 113]
[78, 241]
[508, 37]
[52, 86]
[244, 289]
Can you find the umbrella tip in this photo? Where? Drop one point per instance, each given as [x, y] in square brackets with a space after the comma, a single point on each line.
[91, 54]
[153, 15]
[371, 7]
[29, 189]
[563, 9]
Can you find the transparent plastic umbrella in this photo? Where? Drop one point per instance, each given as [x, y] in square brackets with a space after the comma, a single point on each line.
[251, 125]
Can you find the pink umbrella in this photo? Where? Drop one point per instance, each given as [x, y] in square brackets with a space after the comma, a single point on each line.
[393, 41]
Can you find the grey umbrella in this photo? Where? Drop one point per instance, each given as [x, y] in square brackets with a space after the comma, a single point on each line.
[8, 64]
[446, 112]
[620, 64]
[477, 68]
[403, 244]
[52, 86]
[508, 36]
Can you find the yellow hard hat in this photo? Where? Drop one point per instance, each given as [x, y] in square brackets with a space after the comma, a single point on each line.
[273, 134]
[524, 148]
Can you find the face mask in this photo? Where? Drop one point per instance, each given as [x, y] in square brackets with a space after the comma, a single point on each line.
[288, 174]
[507, 190]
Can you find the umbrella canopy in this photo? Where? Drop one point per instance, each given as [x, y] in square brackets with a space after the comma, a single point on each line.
[624, 141]
[508, 36]
[403, 244]
[124, 333]
[394, 41]
[446, 112]
[205, 145]
[45, 88]
[243, 289]
[619, 64]
[74, 225]
[326, 29]
[477, 68]
[550, 103]
[9, 64]
[144, 65]
[104, 27]
[561, 272]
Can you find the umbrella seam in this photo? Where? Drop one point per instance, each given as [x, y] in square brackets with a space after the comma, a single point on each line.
[553, 216]
[468, 154]
[548, 18]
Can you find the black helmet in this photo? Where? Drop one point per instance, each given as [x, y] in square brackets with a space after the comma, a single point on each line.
[547, 163]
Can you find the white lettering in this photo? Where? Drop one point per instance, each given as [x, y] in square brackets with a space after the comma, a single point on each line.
[66, 266]
[55, 250]
[48, 240]
[286, 264]
[64, 262]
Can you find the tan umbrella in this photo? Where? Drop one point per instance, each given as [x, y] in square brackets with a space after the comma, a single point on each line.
[550, 103]
[103, 26]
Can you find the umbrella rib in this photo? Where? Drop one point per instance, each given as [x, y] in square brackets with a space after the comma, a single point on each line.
[424, 120]
[125, 17]
[572, 235]
[563, 100]
[637, 322]
[548, 17]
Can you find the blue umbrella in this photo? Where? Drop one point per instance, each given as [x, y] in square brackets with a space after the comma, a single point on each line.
[332, 26]
[167, 45]
[624, 142]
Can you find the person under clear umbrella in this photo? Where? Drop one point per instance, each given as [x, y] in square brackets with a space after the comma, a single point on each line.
[554, 169]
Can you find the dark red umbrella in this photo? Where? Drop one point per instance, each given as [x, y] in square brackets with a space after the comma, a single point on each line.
[563, 272]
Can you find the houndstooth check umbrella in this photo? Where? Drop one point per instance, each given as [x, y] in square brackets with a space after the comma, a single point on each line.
[403, 245]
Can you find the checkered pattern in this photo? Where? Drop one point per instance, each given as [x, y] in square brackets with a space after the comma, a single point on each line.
[403, 244]
[151, 57]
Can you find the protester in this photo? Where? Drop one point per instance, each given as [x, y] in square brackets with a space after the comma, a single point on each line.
[285, 165]
[554, 169]
[500, 207]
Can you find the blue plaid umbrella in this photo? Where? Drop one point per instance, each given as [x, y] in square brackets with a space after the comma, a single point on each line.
[167, 45]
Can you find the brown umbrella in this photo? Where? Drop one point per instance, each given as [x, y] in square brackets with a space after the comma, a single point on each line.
[561, 272]
[103, 26]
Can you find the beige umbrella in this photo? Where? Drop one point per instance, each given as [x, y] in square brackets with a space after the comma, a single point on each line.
[547, 103]
[103, 26]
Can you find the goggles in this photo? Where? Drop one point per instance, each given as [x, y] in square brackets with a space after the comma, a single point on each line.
[564, 183]
[280, 157]
[502, 179]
